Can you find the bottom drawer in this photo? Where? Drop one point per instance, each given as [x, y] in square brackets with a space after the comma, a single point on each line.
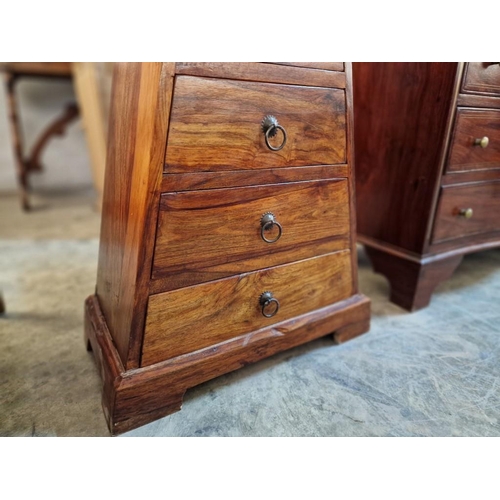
[467, 210]
[195, 317]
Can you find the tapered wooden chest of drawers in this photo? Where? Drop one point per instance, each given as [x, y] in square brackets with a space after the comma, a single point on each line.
[228, 231]
[427, 141]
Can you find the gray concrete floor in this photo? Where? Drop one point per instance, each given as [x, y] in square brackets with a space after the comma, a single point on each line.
[431, 373]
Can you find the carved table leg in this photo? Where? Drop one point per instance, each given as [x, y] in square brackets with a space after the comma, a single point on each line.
[57, 127]
[31, 164]
[21, 170]
[412, 283]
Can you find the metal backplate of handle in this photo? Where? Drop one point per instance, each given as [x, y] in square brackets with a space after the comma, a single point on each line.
[270, 127]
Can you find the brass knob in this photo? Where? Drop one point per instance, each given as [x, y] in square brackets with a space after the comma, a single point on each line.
[267, 222]
[483, 142]
[466, 213]
[267, 299]
[270, 127]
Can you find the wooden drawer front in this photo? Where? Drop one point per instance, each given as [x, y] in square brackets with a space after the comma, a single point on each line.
[217, 125]
[482, 198]
[192, 318]
[471, 125]
[482, 78]
[210, 234]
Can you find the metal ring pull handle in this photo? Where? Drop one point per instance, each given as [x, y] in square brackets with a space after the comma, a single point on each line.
[483, 142]
[267, 222]
[270, 127]
[267, 299]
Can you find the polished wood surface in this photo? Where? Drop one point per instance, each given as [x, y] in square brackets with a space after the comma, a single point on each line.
[482, 198]
[136, 397]
[455, 178]
[217, 311]
[136, 148]
[472, 125]
[228, 230]
[401, 113]
[216, 125]
[482, 77]
[263, 72]
[240, 178]
[478, 101]
[182, 247]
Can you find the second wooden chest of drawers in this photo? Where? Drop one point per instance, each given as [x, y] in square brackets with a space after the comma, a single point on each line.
[427, 141]
[228, 229]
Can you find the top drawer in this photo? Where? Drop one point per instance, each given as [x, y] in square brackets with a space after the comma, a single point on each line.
[481, 77]
[217, 125]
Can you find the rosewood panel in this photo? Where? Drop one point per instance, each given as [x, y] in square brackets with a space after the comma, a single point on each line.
[400, 124]
[264, 72]
[217, 125]
[192, 318]
[239, 178]
[136, 148]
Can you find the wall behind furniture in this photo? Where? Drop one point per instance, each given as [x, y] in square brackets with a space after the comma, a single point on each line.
[66, 159]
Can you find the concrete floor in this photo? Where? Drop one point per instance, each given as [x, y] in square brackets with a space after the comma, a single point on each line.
[431, 373]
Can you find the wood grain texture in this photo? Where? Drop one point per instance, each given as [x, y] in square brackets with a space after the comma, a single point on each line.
[240, 178]
[135, 397]
[136, 148]
[214, 312]
[482, 78]
[330, 66]
[401, 116]
[412, 283]
[453, 178]
[483, 198]
[263, 72]
[216, 125]
[478, 101]
[472, 124]
[206, 235]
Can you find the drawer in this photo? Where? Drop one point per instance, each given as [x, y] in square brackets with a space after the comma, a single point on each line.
[210, 234]
[483, 78]
[476, 141]
[482, 198]
[196, 317]
[218, 125]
